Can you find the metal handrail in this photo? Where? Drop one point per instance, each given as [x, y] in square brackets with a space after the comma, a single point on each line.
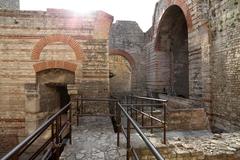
[152, 148]
[134, 102]
[148, 98]
[81, 107]
[26, 143]
[148, 115]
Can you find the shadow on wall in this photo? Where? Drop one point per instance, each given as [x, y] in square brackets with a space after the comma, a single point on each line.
[120, 75]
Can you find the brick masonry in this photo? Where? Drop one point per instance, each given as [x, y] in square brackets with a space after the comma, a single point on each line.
[201, 65]
[206, 64]
[32, 42]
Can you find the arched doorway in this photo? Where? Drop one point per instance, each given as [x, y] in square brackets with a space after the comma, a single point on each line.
[172, 42]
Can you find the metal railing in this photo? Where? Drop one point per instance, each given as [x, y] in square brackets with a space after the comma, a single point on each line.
[130, 150]
[53, 145]
[81, 107]
[137, 104]
[145, 108]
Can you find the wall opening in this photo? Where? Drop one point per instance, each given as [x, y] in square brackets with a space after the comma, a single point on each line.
[52, 86]
[120, 75]
[172, 41]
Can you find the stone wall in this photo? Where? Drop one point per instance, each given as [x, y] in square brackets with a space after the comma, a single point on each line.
[34, 41]
[10, 4]
[217, 147]
[160, 54]
[127, 37]
[121, 79]
[224, 19]
[213, 49]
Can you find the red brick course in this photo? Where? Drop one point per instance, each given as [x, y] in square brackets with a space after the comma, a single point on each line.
[55, 64]
[57, 38]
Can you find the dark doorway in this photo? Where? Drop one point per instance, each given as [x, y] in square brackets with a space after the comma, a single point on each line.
[53, 92]
[63, 94]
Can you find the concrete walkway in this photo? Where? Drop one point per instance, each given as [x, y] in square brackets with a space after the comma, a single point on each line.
[94, 139]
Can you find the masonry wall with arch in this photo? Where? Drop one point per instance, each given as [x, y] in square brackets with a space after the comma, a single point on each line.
[127, 39]
[172, 46]
[211, 83]
[122, 70]
[55, 42]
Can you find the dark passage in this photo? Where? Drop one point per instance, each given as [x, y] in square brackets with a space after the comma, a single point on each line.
[63, 94]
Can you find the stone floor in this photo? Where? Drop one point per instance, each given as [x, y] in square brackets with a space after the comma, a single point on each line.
[94, 139]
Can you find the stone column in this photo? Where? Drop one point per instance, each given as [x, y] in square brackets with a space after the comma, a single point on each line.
[32, 108]
[73, 92]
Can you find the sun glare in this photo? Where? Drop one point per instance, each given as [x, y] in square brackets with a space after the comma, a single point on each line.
[80, 6]
[135, 10]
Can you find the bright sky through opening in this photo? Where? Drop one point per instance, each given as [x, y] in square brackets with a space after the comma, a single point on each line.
[135, 10]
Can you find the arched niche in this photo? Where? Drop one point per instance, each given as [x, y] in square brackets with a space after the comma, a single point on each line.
[172, 44]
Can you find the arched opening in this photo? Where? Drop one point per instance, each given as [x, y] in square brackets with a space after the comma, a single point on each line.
[120, 75]
[52, 86]
[172, 42]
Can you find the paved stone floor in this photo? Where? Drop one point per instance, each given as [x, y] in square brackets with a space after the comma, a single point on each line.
[94, 139]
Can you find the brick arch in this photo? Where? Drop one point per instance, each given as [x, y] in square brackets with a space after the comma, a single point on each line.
[124, 54]
[54, 64]
[36, 52]
[185, 9]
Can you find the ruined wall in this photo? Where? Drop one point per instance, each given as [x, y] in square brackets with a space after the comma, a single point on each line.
[213, 49]
[224, 18]
[10, 4]
[159, 63]
[128, 37]
[32, 41]
[216, 147]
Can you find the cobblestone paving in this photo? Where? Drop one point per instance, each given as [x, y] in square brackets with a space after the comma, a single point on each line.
[94, 139]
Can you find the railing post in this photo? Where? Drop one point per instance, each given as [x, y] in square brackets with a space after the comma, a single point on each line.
[142, 114]
[118, 119]
[136, 113]
[128, 139]
[151, 121]
[78, 111]
[70, 124]
[164, 125]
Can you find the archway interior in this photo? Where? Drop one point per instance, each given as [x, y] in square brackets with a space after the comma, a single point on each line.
[173, 42]
[120, 75]
[52, 86]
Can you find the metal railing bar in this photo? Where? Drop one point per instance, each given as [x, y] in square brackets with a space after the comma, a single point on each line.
[100, 115]
[65, 125]
[147, 127]
[35, 134]
[144, 138]
[148, 98]
[133, 150]
[40, 149]
[124, 132]
[135, 154]
[30, 142]
[48, 152]
[152, 117]
[97, 99]
[147, 105]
